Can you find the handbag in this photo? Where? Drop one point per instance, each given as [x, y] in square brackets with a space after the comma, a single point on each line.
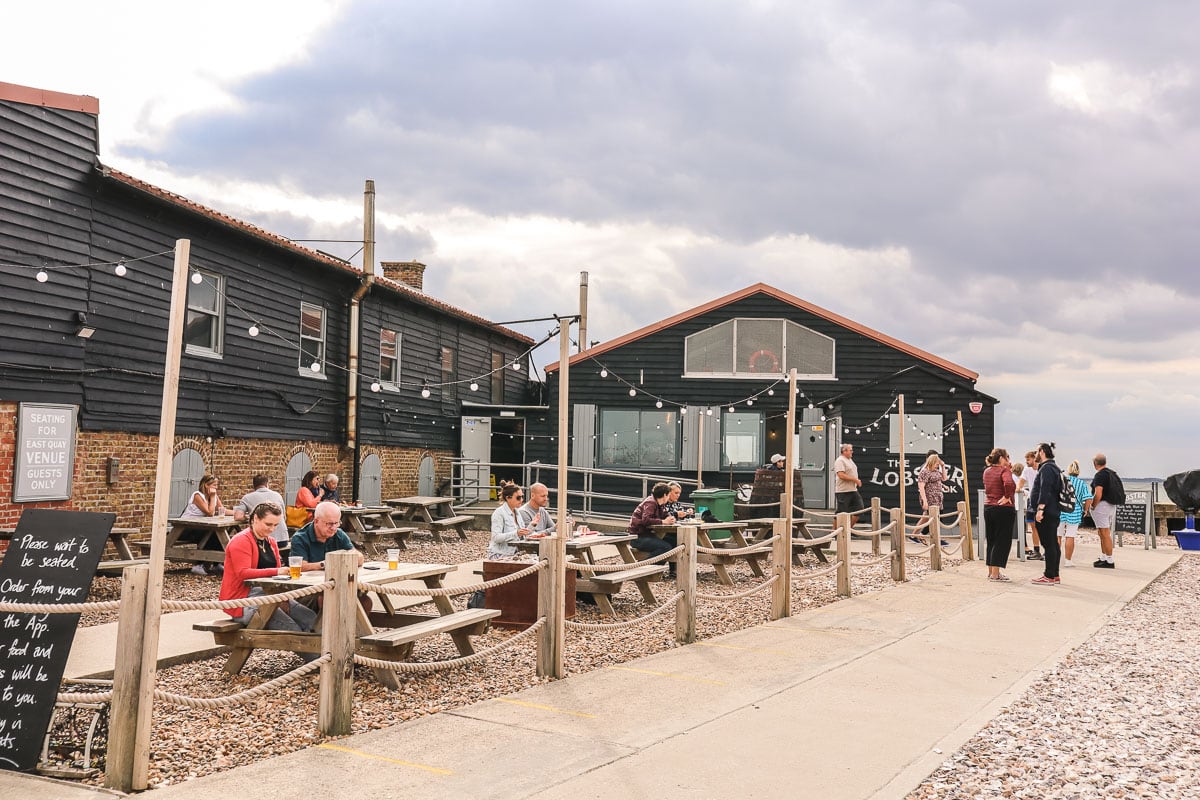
[297, 516]
[476, 599]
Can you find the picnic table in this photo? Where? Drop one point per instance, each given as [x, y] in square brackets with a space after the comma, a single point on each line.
[800, 533]
[388, 635]
[217, 530]
[365, 525]
[719, 562]
[436, 512]
[603, 585]
[119, 538]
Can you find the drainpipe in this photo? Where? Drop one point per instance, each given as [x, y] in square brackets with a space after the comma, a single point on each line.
[368, 278]
[583, 292]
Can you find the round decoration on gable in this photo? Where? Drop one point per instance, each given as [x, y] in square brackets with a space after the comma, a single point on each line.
[764, 361]
[975, 406]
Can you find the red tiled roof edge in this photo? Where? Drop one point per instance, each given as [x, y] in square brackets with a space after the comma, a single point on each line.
[288, 244]
[763, 288]
[16, 93]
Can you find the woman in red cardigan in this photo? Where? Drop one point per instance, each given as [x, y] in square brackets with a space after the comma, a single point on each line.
[254, 554]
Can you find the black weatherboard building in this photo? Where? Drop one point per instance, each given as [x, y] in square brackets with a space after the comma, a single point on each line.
[706, 390]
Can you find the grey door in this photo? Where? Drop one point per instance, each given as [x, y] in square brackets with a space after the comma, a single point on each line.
[370, 481]
[476, 447]
[813, 449]
[297, 466]
[187, 468]
[425, 477]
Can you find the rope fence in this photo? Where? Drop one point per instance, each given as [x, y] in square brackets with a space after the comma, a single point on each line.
[245, 602]
[451, 591]
[737, 596]
[579, 566]
[241, 698]
[757, 547]
[56, 608]
[668, 605]
[808, 576]
[420, 667]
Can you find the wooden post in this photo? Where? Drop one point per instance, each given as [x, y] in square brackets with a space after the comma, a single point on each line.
[968, 550]
[843, 555]
[338, 633]
[788, 511]
[158, 525]
[685, 581]
[127, 675]
[899, 566]
[551, 600]
[964, 525]
[876, 524]
[781, 557]
[903, 463]
[935, 537]
[564, 385]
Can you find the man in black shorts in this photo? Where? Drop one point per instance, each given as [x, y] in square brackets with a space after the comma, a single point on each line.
[845, 490]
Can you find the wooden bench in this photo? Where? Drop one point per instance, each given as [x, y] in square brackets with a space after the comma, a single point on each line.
[603, 585]
[115, 567]
[460, 625]
[224, 625]
[457, 523]
[372, 536]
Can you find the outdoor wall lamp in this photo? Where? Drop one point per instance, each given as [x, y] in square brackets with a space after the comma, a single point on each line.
[84, 331]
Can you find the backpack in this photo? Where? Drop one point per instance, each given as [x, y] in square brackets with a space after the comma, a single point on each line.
[1066, 493]
[1116, 488]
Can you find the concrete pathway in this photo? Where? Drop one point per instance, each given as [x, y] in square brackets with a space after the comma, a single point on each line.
[860, 699]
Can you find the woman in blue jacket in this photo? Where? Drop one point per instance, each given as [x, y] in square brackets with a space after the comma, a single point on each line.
[1044, 500]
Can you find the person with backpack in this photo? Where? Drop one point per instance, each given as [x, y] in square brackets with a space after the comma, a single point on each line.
[1107, 494]
[1044, 499]
[1071, 519]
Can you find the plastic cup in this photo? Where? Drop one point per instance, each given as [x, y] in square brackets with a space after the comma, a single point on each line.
[294, 563]
[393, 555]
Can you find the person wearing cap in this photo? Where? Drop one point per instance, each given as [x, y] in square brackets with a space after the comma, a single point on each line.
[777, 461]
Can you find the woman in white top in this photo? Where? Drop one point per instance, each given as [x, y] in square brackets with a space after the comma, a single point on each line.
[205, 501]
[506, 528]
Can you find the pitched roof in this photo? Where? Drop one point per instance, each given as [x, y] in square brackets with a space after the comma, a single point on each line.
[284, 243]
[16, 93]
[778, 294]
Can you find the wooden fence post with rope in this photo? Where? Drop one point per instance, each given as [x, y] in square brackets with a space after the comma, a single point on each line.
[685, 611]
[876, 524]
[843, 555]
[935, 537]
[781, 561]
[899, 567]
[127, 672]
[552, 584]
[964, 530]
[338, 633]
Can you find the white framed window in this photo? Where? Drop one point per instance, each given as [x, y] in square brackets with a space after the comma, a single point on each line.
[741, 440]
[389, 358]
[635, 439]
[312, 340]
[204, 331]
[747, 347]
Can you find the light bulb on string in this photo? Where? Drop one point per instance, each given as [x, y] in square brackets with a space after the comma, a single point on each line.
[682, 410]
[857, 432]
[731, 409]
[603, 373]
[120, 268]
[253, 331]
[316, 366]
[750, 402]
[810, 405]
[658, 403]
[516, 366]
[197, 278]
[474, 386]
[708, 411]
[633, 392]
[42, 277]
[770, 392]
[375, 387]
[425, 392]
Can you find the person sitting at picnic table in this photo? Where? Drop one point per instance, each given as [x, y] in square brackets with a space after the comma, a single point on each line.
[329, 489]
[321, 536]
[535, 514]
[309, 493]
[648, 514]
[506, 525]
[254, 554]
[263, 493]
[673, 507]
[205, 502]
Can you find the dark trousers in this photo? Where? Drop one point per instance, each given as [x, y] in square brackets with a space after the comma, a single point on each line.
[1048, 532]
[998, 523]
[651, 544]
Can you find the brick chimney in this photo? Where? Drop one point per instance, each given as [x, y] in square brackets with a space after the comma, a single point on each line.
[410, 273]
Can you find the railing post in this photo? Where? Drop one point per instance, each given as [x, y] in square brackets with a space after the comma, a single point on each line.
[843, 555]
[339, 621]
[127, 674]
[935, 537]
[899, 567]
[964, 530]
[876, 524]
[552, 583]
[781, 560]
[685, 581]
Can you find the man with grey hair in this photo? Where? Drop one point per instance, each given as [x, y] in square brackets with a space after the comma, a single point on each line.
[1107, 494]
[845, 488]
[330, 490]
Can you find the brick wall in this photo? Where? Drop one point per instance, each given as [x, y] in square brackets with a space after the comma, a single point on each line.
[234, 461]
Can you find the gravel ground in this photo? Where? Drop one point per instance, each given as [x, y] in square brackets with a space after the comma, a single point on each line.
[1118, 719]
[191, 742]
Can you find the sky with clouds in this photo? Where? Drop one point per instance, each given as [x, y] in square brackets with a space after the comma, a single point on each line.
[1008, 185]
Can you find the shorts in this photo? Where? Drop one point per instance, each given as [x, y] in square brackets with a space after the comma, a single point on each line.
[849, 502]
[1103, 513]
[1067, 530]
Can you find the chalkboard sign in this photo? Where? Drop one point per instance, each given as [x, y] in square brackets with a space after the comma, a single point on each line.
[52, 558]
[1133, 514]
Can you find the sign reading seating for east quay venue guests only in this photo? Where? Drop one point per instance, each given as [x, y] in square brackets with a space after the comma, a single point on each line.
[51, 559]
[45, 452]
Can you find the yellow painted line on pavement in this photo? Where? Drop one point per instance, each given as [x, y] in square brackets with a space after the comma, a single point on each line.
[747, 649]
[434, 770]
[546, 708]
[671, 675]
